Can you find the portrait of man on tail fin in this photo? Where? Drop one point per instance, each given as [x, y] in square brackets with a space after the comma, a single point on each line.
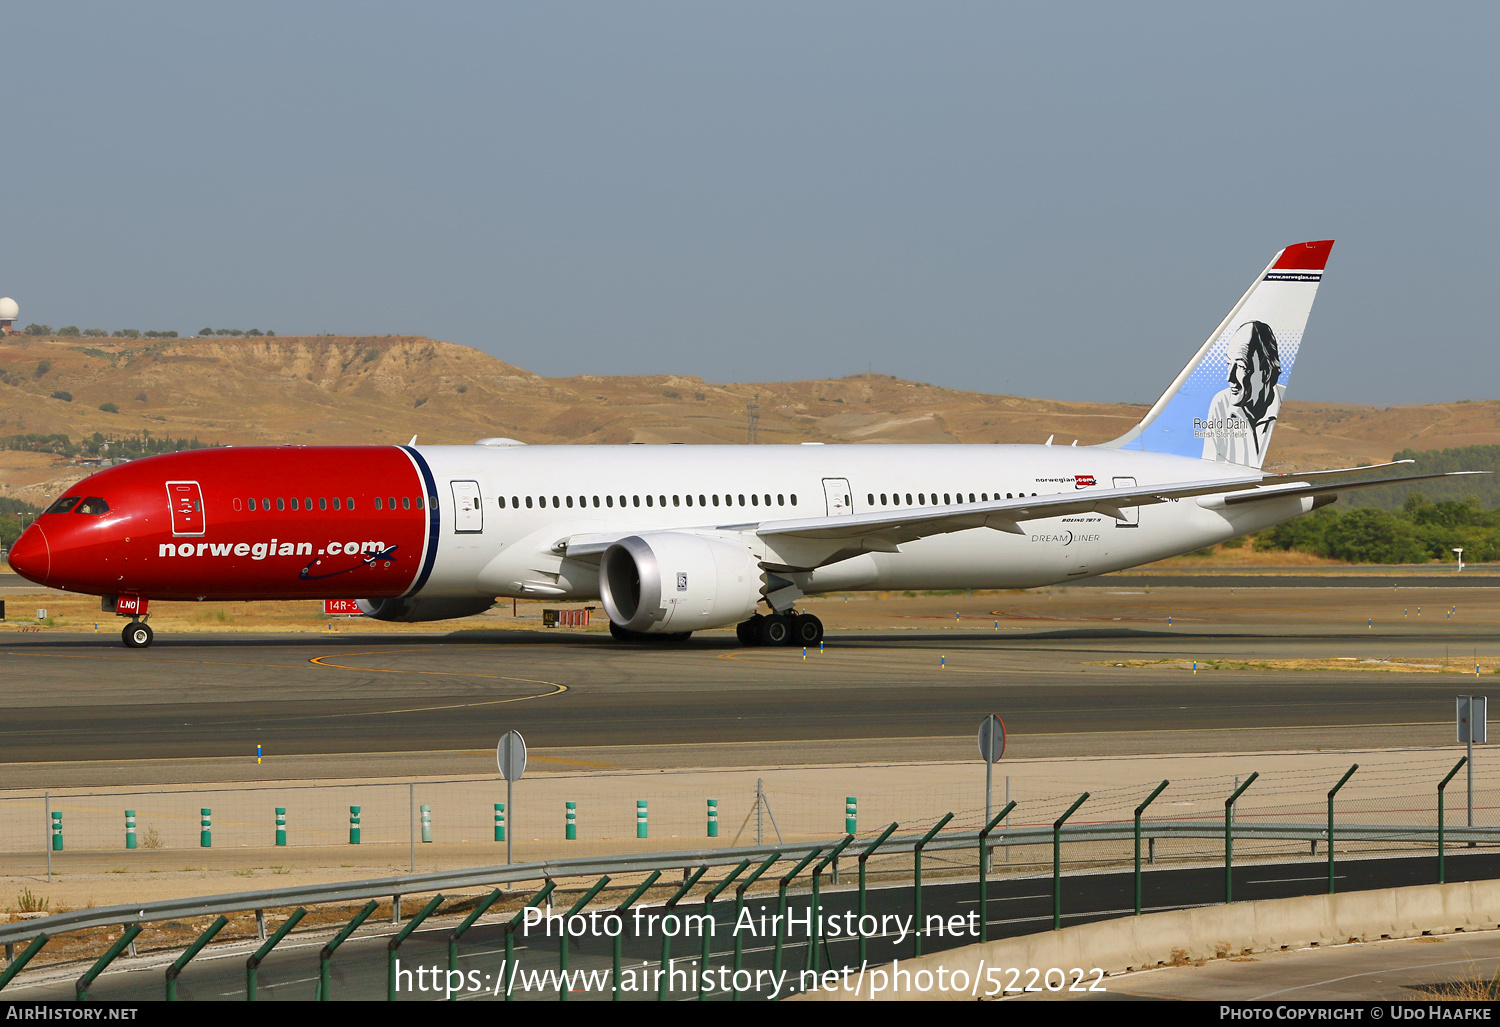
[1240, 417]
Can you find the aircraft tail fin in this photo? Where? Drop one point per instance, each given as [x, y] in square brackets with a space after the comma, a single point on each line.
[1224, 404]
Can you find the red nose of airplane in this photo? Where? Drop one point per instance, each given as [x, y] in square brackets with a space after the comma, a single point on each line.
[30, 557]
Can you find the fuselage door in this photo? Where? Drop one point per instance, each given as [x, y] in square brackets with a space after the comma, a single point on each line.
[468, 508]
[840, 499]
[186, 500]
[1132, 518]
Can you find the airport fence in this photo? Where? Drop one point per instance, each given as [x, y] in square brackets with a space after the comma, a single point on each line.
[454, 822]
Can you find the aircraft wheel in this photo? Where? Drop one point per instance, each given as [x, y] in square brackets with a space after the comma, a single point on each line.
[136, 636]
[623, 634]
[748, 631]
[675, 637]
[806, 630]
[774, 630]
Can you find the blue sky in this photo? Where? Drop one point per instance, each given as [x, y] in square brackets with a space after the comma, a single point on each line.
[1054, 200]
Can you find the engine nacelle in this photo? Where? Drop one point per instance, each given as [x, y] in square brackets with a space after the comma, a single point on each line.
[670, 581]
[419, 609]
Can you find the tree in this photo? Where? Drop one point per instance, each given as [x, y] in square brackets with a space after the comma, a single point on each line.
[42, 367]
[205, 331]
[66, 397]
[1367, 535]
[109, 408]
[36, 329]
[71, 332]
[95, 333]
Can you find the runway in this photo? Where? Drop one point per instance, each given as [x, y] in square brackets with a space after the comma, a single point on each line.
[1042, 661]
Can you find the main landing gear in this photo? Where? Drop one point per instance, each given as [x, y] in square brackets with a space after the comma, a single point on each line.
[137, 635]
[790, 628]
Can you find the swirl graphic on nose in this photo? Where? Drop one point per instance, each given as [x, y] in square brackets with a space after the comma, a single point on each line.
[369, 560]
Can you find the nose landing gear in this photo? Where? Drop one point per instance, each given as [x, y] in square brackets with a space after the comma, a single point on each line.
[788, 628]
[137, 635]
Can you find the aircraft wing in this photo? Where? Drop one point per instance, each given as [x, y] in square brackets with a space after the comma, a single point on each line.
[885, 530]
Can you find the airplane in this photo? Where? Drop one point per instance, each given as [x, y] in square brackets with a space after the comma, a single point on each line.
[676, 539]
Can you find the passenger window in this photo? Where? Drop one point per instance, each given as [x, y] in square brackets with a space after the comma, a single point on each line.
[307, 503]
[336, 505]
[349, 503]
[280, 503]
[663, 500]
[250, 504]
[596, 502]
[648, 500]
[871, 498]
[570, 502]
[294, 503]
[528, 502]
[556, 503]
[716, 499]
[908, 499]
[515, 502]
[946, 500]
[322, 503]
[794, 499]
[265, 504]
[689, 500]
[609, 501]
[921, 499]
[754, 499]
[676, 500]
[501, 500]
[780, 500]
[742, 499]
[635, 500]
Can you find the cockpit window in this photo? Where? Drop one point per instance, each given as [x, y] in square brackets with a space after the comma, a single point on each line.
[93, 505]
[63, 505]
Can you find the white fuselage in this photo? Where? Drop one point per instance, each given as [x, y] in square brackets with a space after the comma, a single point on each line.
[532, 497]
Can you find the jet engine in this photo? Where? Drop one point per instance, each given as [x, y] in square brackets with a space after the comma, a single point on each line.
[672, 581]
[420, 609]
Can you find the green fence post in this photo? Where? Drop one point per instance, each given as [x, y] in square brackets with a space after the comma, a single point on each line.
[280, 825]
[426, 823]
[984, 884]
[739, 908]
[510, 936]
[1138, 811]
[864, 858]
[666, 939]
[1229, 837]
[916, 897]
[499, 821]
[1057, 862]
[620, 910]
[570, 829]
[459, 931]
[781, 905]
[814, 932]
[17, 964]
[252, 965]
[562, 950]
[713, 818]
[1331, 793]
[206, 828]
[130, 829]
[640, 818]
[328, 950]
[708, 911]
[175, 970]
[57, 835]
[353, 825]
[395, 943]
[851, 814]
[1444, 784]
[81, 988]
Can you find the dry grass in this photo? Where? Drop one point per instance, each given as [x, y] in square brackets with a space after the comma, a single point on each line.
[1436, 665]
[1474, 987]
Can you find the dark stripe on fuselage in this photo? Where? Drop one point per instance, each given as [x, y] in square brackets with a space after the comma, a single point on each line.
[434, 521]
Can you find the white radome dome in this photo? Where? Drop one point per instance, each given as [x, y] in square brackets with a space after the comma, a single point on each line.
[9, 309]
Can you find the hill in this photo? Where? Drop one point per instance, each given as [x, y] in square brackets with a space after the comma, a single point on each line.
[384, 389]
